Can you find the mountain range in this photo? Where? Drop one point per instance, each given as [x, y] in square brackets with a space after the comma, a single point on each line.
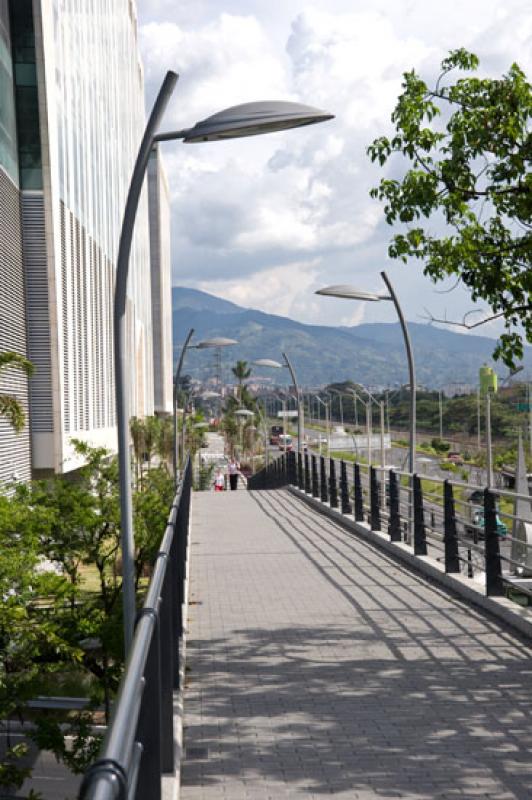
[371, 353]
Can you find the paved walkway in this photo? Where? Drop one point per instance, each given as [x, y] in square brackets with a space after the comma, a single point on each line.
[317, 666]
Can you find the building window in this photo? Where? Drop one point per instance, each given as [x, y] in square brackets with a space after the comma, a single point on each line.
[26, 95]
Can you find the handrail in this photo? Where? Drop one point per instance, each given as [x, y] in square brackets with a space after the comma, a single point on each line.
[414, 515]
[139, 744]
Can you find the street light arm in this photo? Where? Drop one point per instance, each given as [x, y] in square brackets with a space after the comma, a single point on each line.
[176, 384]
[120, 356]
[300, 427]
[411, 371]
[169, 136]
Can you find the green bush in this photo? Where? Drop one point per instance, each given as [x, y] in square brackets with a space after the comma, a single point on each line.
[448, 466]
[439, 445]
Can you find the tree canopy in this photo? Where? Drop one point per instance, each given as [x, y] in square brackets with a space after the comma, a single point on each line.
[466, 199]
[10, 407]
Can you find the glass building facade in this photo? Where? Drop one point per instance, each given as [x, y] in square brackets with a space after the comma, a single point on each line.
[15, 456]
[71, 120]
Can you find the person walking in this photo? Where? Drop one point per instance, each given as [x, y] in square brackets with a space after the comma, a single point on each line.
[219, 481]
[234, 470]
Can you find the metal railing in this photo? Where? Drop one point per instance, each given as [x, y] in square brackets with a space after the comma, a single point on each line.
[139, 746]
[464, 526]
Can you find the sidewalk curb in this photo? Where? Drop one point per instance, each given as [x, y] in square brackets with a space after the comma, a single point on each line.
[504, 610]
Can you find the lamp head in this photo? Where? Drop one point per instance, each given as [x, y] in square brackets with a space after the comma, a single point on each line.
[350, 293]
[251, 119]
[267, 362]
[219, 341]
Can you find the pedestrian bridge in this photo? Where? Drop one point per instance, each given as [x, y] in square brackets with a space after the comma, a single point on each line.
[323, 659]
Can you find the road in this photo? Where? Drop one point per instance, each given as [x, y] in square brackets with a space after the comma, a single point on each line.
[50, 778]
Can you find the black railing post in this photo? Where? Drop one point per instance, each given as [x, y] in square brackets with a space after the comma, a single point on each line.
[307, 474]
[494, 583]
[420, 538]
[450, 540]
[149, 727]
[324, 492]
[315, 481]
[375, 512]
[344, 489]
[333, 489]
[175, 596]
[359, 498]
[300, 479]
[168, 658]
[293, 469]
[394, 524]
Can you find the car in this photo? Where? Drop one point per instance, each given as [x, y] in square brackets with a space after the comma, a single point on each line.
[285, 443]
[475, 513]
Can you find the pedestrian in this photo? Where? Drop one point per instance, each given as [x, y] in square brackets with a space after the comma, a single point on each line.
[219, 481]
[234, 470]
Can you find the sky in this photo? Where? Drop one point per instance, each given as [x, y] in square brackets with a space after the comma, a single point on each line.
[267, 220]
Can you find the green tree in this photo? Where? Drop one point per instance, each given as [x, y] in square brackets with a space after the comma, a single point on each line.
[10, 407]
[469, 144]
[241, 371]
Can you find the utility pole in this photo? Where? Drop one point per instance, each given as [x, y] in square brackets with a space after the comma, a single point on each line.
[440, 403]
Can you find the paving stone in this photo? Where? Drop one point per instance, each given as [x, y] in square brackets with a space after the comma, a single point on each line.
[318, 666]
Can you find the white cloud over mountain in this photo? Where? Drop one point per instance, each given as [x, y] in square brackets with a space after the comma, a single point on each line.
[264, 221]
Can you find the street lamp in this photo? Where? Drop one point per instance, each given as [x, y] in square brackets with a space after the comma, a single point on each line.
[380, 406]
[340, 395]
[248, 119]
[242, 414]
[367, 411]
[351, 293]
[217, 342]
[269, 362]
[327, 423]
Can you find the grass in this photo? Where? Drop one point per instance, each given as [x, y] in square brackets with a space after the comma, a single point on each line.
[346, 455]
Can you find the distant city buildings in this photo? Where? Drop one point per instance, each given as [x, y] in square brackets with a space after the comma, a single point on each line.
[455, 389]
[71, 119]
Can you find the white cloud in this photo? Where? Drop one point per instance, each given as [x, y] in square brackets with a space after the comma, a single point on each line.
[300, 199]
[283, 289]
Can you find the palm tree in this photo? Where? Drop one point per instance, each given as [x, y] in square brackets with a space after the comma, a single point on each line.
[10, 408]
[241, 371]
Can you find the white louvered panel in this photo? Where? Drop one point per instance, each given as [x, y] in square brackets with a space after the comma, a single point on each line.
[65, 321]
[38, 319]
[73, 333]
[110, 355]
[86, 333]
[100, 318]
[15, 456]
[93, 337]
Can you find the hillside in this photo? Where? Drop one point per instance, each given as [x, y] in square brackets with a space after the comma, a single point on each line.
[369, 353]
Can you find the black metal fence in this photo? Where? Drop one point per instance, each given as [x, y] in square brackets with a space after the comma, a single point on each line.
[472, 530]
[139, 746]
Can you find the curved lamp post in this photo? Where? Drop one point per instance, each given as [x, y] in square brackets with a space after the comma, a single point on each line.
[217, 342]
[327, 423]
[369, 432]
[340, 395]
[269, 362]
[248, 119]
[242, 414]
[351, 293]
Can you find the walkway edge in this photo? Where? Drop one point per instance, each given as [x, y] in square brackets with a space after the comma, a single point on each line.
[504, 610]
[171, 783]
